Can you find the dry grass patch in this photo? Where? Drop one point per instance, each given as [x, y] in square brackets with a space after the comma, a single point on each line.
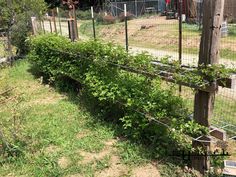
[116, 168]
[149, 170]
[51, 149]
[83, 134]
[64, 162]
[89, 157]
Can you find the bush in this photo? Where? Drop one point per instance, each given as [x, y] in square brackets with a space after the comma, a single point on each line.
[99, 18]
[20, 32]
[129, 16]
[85, 15]
[105, 19]
[120, 95]
[109, 19]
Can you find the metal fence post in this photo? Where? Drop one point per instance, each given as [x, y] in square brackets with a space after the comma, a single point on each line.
[180, 36]
[180, 30]
[126, 29]
[94, 32]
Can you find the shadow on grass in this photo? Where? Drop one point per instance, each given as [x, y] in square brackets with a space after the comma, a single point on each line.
[150, 149]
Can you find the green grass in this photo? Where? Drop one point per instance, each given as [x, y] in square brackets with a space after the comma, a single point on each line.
[48, 120]
[224, 110]
[232, 30]
[45, 125]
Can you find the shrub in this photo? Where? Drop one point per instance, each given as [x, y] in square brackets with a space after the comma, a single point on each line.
[99, 18]
[20, 32]
[85, 15]
[119, 94]
[109, 19]
[63, 13]
[122, 16]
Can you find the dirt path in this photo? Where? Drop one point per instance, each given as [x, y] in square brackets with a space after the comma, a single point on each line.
[187, 59]
[64, 29]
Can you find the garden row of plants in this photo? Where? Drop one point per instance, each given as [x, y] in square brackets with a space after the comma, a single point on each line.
[145, 109]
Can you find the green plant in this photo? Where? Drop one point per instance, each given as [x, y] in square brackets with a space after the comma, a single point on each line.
[85, 15]
[15, 18]
[19, 37]
[133, 97]
[11, 140]
[99, 18]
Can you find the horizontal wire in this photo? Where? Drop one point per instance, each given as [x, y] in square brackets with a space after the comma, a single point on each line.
[151, 118]
[131, 68]
[143, 72]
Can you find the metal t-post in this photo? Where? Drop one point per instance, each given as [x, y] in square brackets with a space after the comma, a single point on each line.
[126, 29]
[180, 36]
[180, 30]
[94, 32]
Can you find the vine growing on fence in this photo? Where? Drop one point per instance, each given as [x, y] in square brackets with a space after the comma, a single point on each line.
[130, 98]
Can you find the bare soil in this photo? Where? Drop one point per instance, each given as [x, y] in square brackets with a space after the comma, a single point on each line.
[116, 168]
[51, 149]
[64, 162]
[160, 34]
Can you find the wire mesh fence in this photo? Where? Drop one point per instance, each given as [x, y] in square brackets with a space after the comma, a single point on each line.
[159, 33]
[137, 7]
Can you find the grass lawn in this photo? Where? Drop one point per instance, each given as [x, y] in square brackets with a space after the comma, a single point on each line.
[53, 134]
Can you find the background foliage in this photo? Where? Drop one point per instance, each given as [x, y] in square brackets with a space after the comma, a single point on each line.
[15, 19]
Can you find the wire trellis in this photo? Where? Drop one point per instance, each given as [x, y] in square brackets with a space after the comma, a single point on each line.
[158, 36]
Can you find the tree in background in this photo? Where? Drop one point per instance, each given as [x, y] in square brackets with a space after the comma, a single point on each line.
[83, 4]
[16, 20]
[53, 3]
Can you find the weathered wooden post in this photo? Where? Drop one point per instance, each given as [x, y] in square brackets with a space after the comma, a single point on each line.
[59, 19]
[43, 27]
[209, 55]
[72, 24]
[33, 19]
[54, 20]
[50, 24]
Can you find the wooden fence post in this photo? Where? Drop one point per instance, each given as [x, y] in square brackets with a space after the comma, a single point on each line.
[209, 54]
[54, 20]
